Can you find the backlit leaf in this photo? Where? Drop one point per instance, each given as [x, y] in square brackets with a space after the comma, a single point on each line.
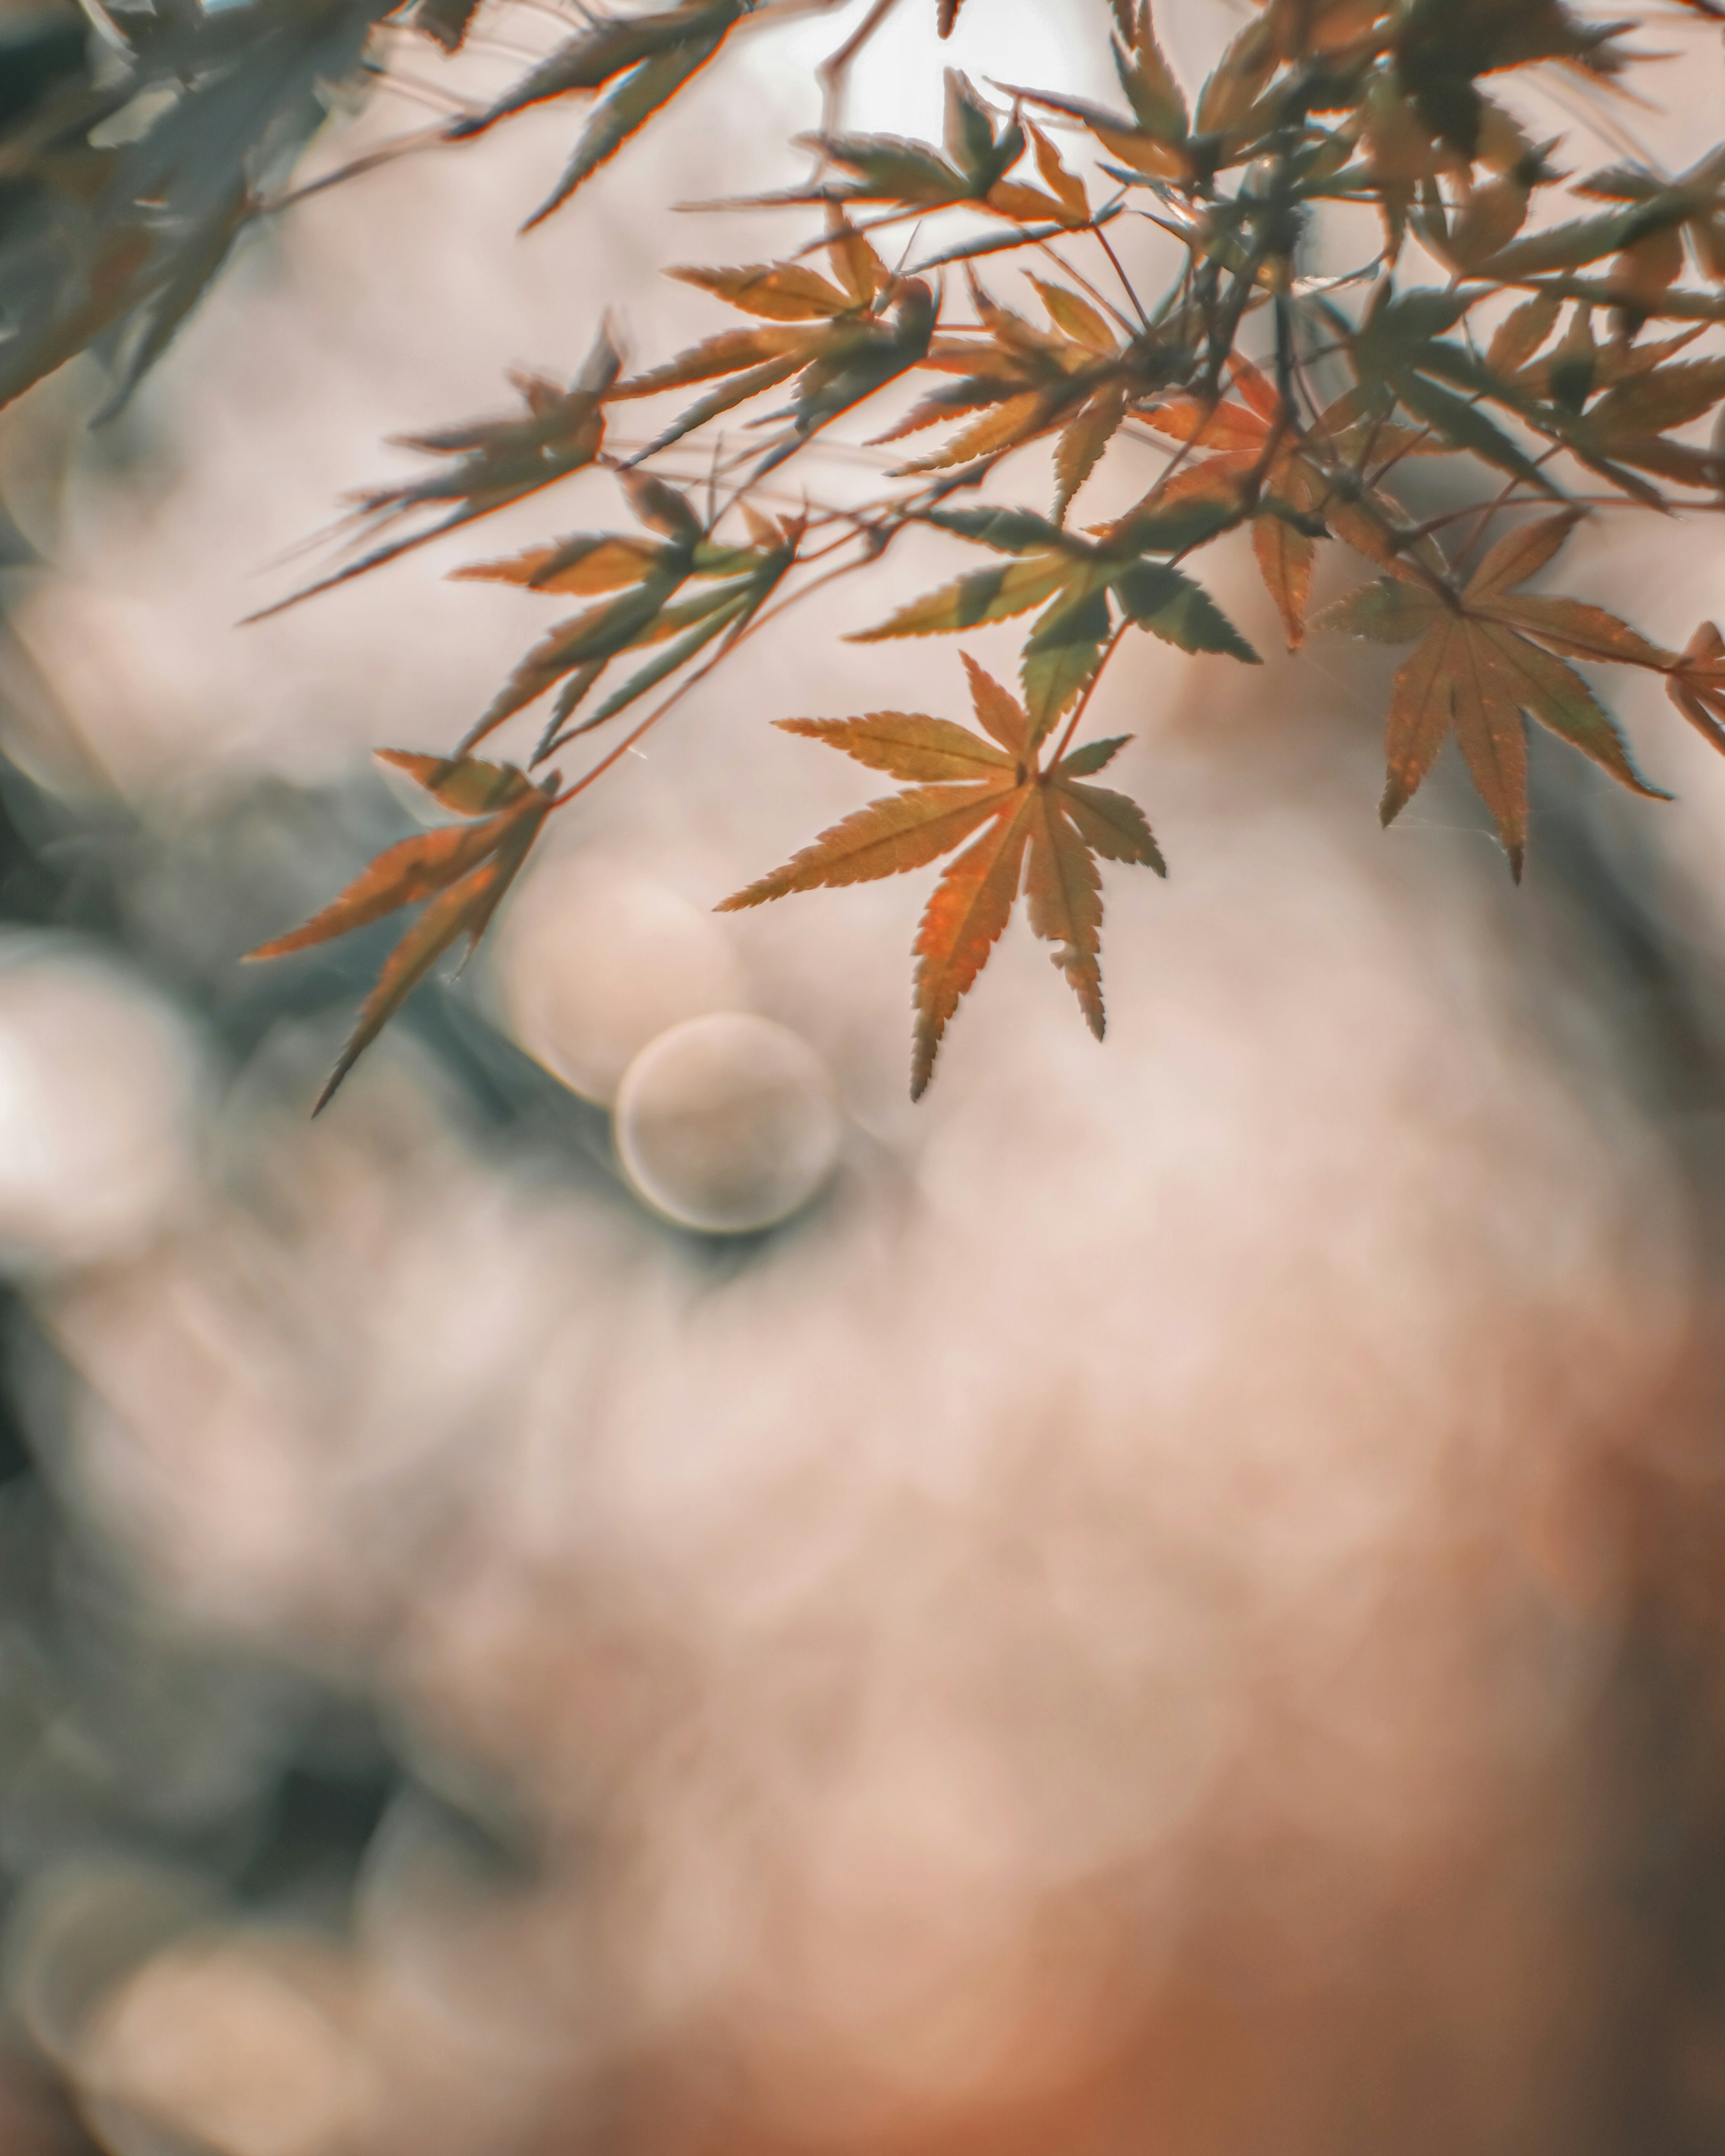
[1061, 656]
[985, 595]
[998, 710]
[465, 784]
[1001, 805]
[903, 831]
[464, 870]
[643, 60]
[491, 464]
[588, 563]
[962, 921]
[1523, 332]
[401, 875]
[1165, 600]
[633, 101]
[1092, 756]
[779, 291]
[1063, 898]
[907, 744]
[1522, 553]
[1387, 612]
[1065, 187]
[1286, 558]
[1083, 442]
[1578, 630]
[1084, 323]
[1697, 684]
[1111, 824]
[1486, 656]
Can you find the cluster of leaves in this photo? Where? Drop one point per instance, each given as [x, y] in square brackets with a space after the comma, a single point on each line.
[1552, 354]
[461, 870]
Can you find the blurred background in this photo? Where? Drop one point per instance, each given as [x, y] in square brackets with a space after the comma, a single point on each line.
[1169, 1596]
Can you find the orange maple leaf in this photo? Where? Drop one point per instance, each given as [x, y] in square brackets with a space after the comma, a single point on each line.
[1486, 656]
[1295, 497]
[967, 785]
[1696, 683]
[464, 870]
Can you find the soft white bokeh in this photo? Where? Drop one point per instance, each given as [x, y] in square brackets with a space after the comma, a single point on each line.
[594, 958]
[99, 1089]
[232, 2044]
[728, 1124]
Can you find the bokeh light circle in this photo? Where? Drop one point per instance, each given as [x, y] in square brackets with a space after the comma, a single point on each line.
[99, 1085]
[595, 960]
[728, 1124]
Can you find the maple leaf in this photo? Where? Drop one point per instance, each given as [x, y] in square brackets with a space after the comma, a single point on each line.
[645, 575]
[1666, 213]
[1301, 29]
[1017, 823]
[1646, 237]
[1625, 429]
[1523, 333]
[1488, 215]
[1159, 143]
[1399, 352]
[1155, 139]
[978, 152]
[1073, 586]
[845, 340]
[1695, 684]
[1077, 377]
[446, 22]
[1612, 406]
[489, 464]
[1415, 139]
[1440, 48]
[1270, 473]
[645, 59]
[1577, 367]
[888, 168]
[1486, 655]
[1066, 208]
[463, 870]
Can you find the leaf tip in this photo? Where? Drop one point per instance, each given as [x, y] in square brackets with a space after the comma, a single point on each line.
[331, 1084]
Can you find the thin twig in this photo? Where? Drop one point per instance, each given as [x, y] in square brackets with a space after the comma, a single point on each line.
[729, 645]
[834, 73]
[431, 93]
[1107, 248]
[385, 154]
[1089, 690]
[1047, 246]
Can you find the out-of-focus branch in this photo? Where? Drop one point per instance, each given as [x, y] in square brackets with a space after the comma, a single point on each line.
[833, 75]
